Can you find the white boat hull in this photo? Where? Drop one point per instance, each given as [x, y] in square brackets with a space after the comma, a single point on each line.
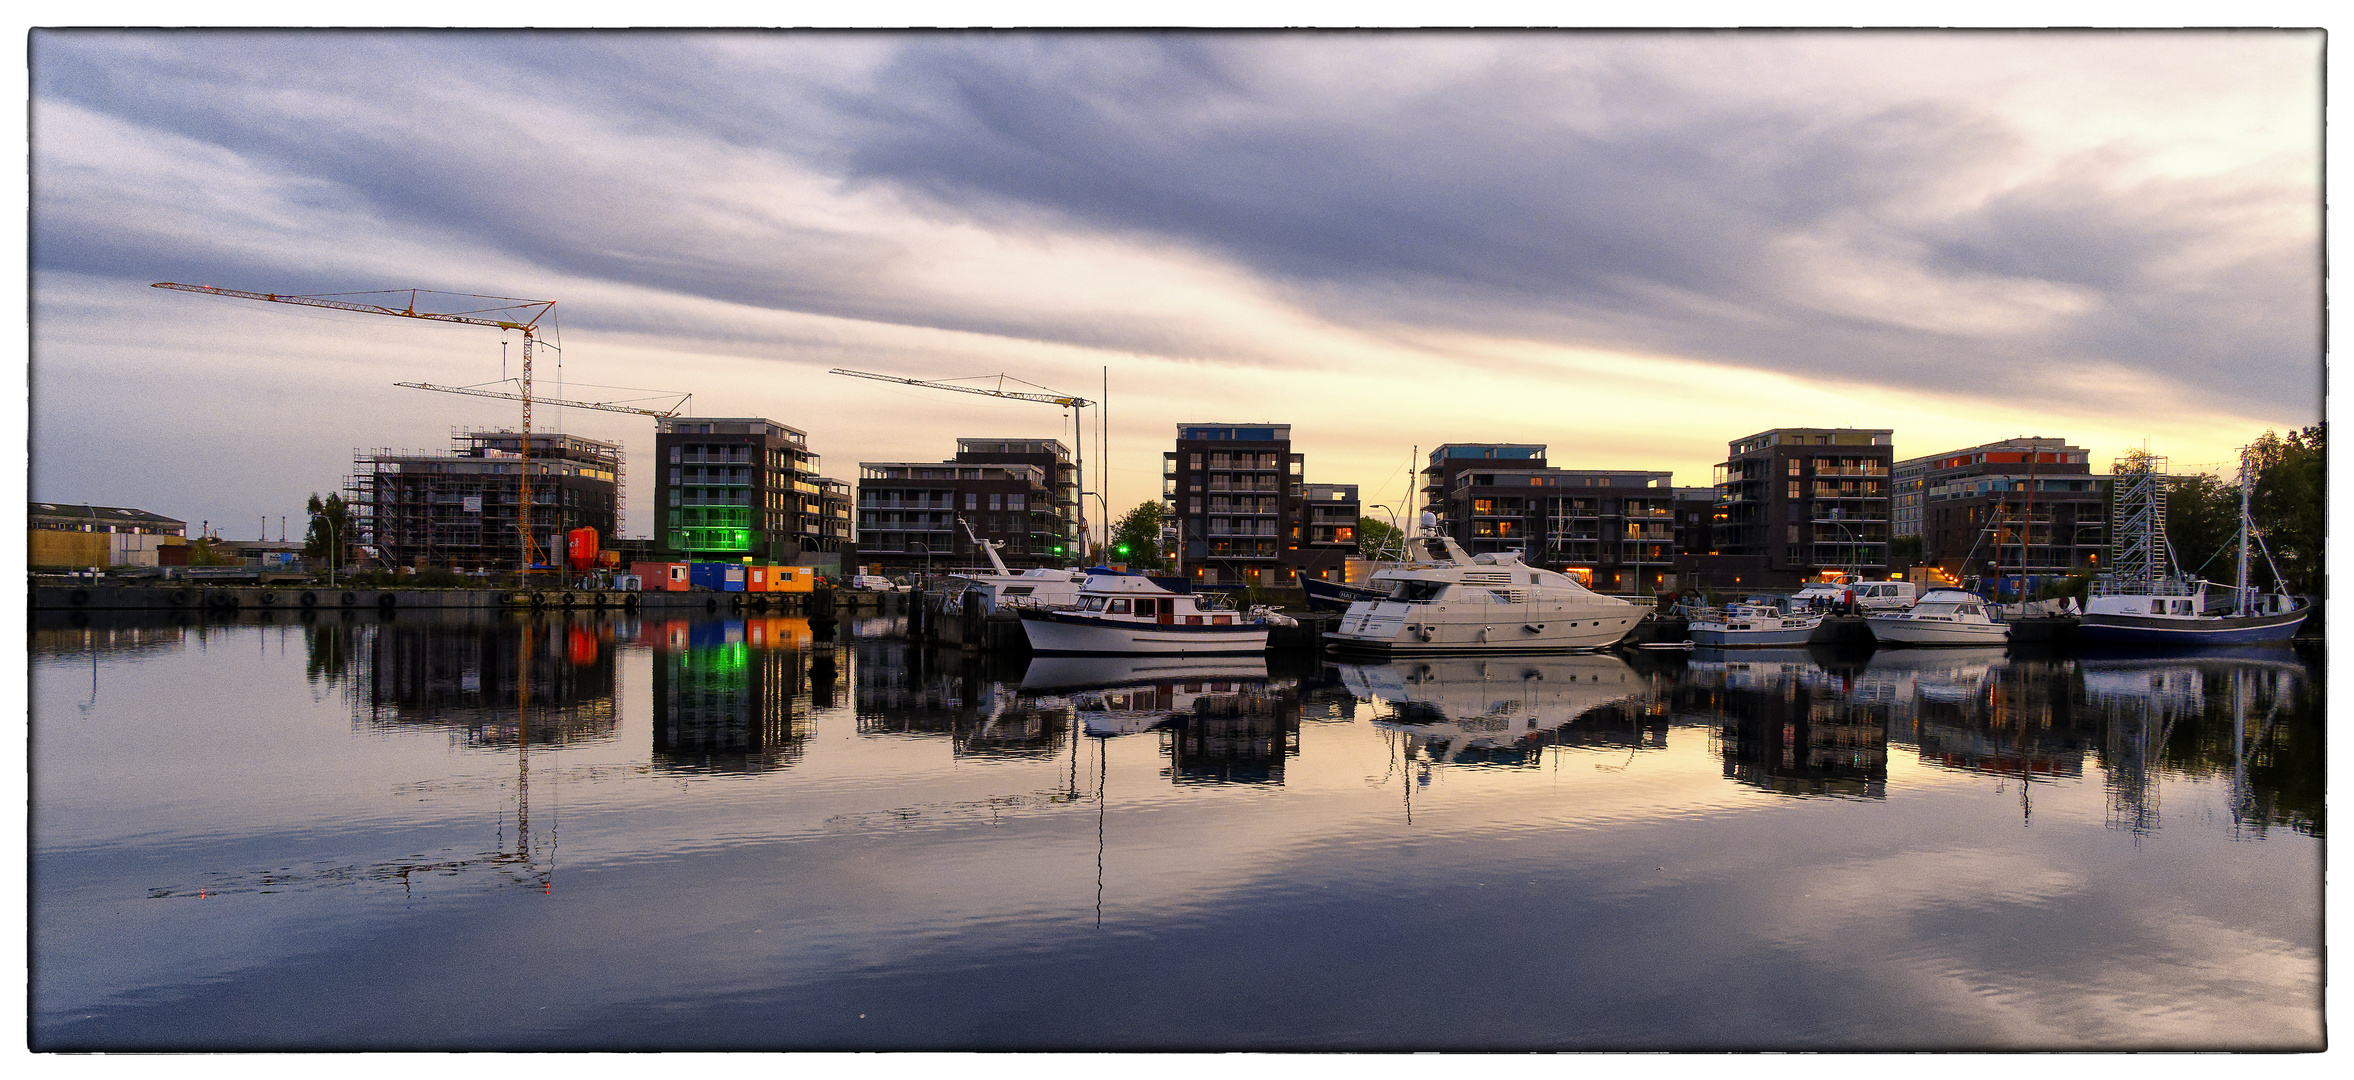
[1072, 633]
[1898, 630]
[1398, 627]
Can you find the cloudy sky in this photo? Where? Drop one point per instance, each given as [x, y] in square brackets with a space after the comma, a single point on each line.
[1631, 247]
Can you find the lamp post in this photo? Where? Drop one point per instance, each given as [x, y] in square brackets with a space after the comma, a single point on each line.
[927, 557]
[333, 547]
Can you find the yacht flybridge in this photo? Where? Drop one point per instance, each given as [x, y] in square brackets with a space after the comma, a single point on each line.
[999, 587]
[1445, 600]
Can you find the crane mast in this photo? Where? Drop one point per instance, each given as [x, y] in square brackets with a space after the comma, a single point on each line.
[1067, 401]
[536, 309]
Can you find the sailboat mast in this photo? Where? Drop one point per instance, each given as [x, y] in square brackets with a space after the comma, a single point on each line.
[2247, 491]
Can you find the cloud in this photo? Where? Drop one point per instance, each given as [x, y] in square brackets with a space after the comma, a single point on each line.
[2098, 220]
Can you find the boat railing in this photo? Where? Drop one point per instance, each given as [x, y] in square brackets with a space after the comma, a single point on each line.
[2105, 585]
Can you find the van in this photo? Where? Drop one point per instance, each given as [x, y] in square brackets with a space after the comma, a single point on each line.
[1883, 595]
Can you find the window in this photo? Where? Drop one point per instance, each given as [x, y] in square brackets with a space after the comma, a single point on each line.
[1017, 502]
[996, 501]
[1793, 489]
[1793, 466]
[972, 501]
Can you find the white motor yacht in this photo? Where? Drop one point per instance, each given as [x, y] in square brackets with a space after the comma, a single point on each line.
[1941, 617]
[1752, 625]
[1130, 613]
[1449, 601]
[1038, 586]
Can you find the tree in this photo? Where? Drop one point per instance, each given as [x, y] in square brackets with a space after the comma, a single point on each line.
[1904, 551]
[1378, 540]
[2201, 521]
[1136, 538]
[331, 529]
[2289, 506]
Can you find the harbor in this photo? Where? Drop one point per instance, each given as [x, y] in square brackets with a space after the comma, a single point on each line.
[1156, 541]
[981, 850]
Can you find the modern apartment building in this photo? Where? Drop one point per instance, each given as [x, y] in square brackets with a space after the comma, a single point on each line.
[1802, 501]
[1980, 504]
[1327, 529]
[1449, 460]
[1231, 494]
[1021, 492]
[1612, 528]
[458, 510]
[737, 489]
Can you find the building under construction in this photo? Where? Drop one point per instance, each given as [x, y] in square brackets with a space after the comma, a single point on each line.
[456, 510]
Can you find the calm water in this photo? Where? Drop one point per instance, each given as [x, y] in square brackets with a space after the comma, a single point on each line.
[635, 833]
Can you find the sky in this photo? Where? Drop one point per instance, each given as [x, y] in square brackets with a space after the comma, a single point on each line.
[1632, 247]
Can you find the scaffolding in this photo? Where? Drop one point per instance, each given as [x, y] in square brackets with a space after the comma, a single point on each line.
[456, 509]
[2138, 550]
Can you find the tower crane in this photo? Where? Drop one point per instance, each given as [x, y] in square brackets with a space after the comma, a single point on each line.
[1067, 401]
[528, 315]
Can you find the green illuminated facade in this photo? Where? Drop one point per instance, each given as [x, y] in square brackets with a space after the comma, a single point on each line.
[743, 488]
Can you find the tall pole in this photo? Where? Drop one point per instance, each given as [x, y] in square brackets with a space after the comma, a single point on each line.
[2247, 492]
[523, 508]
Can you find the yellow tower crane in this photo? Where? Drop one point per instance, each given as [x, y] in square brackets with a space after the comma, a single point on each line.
[1068, 401]
[528, 314]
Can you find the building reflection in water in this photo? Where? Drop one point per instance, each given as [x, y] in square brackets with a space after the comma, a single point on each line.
[730, 695]
[1508, 710]
[971, 700]
[1787, 721]
[462, 676]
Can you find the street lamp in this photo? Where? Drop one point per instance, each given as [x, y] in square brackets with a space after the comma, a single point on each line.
[332, 547]
[927, 557]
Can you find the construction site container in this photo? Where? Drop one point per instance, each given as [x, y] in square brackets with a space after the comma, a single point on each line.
[661, 577]
[792, 579]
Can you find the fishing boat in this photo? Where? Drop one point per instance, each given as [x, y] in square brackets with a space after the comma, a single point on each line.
[1940, 617]
[2144, 600]
[1123, 613]
[1751, 625]
[1445, 600]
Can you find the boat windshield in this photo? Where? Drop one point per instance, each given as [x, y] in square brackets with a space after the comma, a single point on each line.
[1091, 603]
[1938, 609]
[1418, 592]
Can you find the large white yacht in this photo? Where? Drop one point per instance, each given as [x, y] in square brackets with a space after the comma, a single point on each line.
[999, 587]
[1449, 601]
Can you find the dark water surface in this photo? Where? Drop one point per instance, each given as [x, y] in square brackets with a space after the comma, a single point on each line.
[630, 832]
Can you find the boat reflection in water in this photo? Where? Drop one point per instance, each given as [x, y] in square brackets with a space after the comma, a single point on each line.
[2252, 715]
[1227, 719]
[730, 695]
[1499, 710]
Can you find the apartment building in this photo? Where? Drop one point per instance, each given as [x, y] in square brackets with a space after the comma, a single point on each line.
[737, 489]
[1804, 501]
[1022, 493]
[1985, 509]
[1231, 494]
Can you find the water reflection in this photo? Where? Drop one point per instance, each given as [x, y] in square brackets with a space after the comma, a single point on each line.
[491, 684]
[974, 702]
[726, 693]
[1508, 710]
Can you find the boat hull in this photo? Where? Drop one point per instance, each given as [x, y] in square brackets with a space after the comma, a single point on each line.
[1068, 633]
[2118, 629]
[1783, 637]
[1390, 627]
[1334, 596]
[1897, 631]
